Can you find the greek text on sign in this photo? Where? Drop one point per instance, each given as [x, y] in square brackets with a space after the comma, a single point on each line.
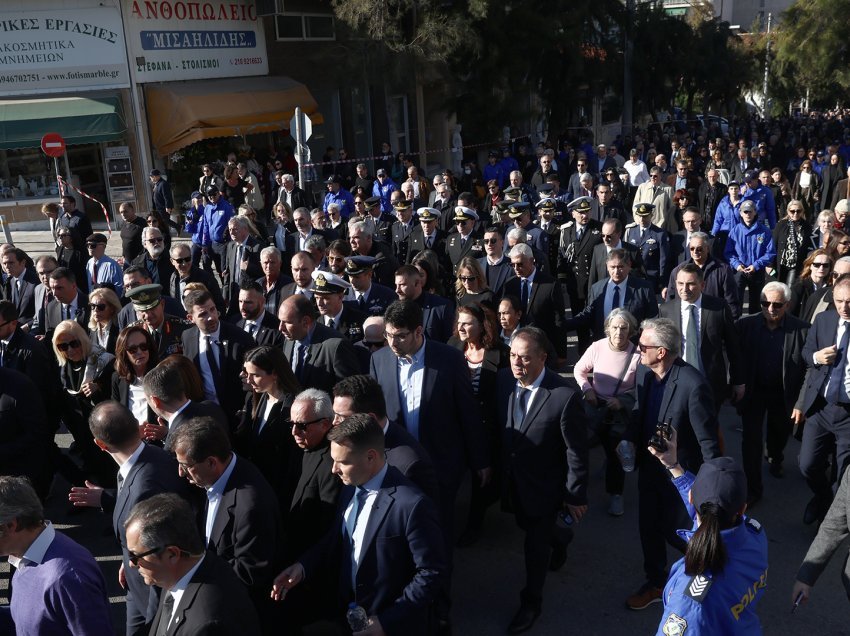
[57, 51]
[174, 39]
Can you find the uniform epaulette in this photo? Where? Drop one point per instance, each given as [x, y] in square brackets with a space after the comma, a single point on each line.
[566, 225]
[698, 587]
[633, 224]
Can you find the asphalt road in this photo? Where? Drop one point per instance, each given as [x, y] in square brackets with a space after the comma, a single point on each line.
[604, 566]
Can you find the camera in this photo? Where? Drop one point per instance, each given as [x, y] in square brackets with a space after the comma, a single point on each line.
[659, 439]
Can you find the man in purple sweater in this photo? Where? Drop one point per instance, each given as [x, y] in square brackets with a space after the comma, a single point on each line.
[58, 588]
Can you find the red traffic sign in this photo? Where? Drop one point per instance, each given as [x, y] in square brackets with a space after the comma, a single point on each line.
[53, 145]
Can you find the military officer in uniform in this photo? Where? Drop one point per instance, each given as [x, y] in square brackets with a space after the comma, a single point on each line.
[402, 230]
[365, 294]
[464, 242]
[653, 243]
[502, 218]
[547, 210]
[427, 236]
[578, 238]
[521, 216]
[384, 221]
[166, 329]
[328, 290]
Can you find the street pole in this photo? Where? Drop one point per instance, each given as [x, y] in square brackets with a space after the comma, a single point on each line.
[628, 53]
[766, 65]
[299, 146]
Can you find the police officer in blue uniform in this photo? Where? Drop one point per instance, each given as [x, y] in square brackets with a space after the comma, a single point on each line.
[714, 588]
[653, 243]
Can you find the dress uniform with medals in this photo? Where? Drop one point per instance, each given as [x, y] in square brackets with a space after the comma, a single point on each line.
[459, 246]
[547, 221]
[401, 231]
[347, 321]
[168, 335]
[653, 243]
[373, 301]
[419, 242]
[575, 253]
[383, 222]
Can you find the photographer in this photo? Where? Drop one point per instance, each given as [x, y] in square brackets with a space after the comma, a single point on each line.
[714, 588]
[667, 391]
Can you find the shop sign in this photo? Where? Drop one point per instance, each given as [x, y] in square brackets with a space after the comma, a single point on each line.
[185, 40]
[61, 51]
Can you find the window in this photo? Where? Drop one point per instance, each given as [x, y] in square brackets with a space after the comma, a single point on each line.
[303, 26]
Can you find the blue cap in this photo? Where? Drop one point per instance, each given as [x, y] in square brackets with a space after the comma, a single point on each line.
[720, 481]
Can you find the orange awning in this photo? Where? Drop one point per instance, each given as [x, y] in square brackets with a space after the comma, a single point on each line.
[181, 113]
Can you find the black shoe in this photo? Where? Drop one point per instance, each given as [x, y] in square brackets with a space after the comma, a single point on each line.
[469, 537]
[812, 512]
[558, 558]
[775, 469]
[524, 619]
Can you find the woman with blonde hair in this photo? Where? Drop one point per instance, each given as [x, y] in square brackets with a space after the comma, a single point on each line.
[85, 370]
[256, 228]
[471, 285]
[103, 324]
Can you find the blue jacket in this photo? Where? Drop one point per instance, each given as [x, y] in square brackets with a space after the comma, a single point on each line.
[494, 172]
[726, 216]
[721, 603]
[344, 199]
[385, 192]
[750, 246]
[766, 206]
[212, 226]
[193, 223]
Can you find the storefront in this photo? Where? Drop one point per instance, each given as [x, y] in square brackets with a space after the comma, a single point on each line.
[61, 71]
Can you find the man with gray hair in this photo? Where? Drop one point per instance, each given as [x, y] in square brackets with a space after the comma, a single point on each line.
[656, 192]
[361, 237]
[291, 194]
[154, 259]
[58, 586]
[185, 272]
[667, 391]
[772, 352]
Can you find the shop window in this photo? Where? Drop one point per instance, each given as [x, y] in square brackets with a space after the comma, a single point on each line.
[292, 26]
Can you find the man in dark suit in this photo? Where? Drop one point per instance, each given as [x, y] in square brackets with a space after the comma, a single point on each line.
[363, 394]
[241, 260]
[437, 312]
[684, 180]
[713, 334]
[165, 392]
[497, 267]
[667, 390]
[825, 400]
[44, 266]
[217, 349]
[21, 282]
[709, 196]
[385, 544]
[619, 290]
[772, 351]
[718, 277]
[606, 206]
[25, 440]
[241, 521]
[272, 281]
[741, 165]
[363, 243]
[291, 194]
[185, 273]
[74, 220]
[297, 241]
[545, 459]
[320, 357]
[256, 321]
[368, 297]
[164, 545]
[301, 266]
[612, 232]
[692, 222]
[329, 290]
[154, 259]
[540, 296]
[68, 304]
[143, 471]
[578, 239]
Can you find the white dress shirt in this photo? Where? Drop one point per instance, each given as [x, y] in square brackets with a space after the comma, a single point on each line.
[206, 373]
[351, 514]
[214, 494]
[178, 588]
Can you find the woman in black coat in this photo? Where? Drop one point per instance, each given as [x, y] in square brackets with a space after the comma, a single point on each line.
[791, 239]
[476, 335]
[135, 355]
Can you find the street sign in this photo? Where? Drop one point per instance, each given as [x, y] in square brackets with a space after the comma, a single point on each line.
[53, 145]
[306, 126]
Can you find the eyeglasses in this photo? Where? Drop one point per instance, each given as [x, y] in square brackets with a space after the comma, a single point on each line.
[359, 203]
[844, 242]
[142, 346]
[819, 265]
[490, 241]
[467, 279]
[401, 335]
[133, 558]
[794, 211]
[97, 306]
[182, 261]
[699, 248]
[93, 244]
[374, 345]
[302, 426]
[644, 348]
[155, 241]
[64, 346]
[766, 303]
[654, 176]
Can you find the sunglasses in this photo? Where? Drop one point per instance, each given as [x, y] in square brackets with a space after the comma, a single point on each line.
[302, 426]
[97, 306]
[154, 241]
[133, 558]
[73, 344]
[374, 345]
[765, 304]
[490, 241]
[819, 265]
[142, 346]
[644, 348]
[93, 244]
[467, 279]
[182, 261]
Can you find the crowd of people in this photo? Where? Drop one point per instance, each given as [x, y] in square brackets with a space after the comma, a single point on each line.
[280, 411]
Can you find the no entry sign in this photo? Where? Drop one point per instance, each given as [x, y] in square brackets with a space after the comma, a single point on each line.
[53, 145]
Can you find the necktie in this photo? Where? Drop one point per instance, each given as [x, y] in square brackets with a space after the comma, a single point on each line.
[331, 323]
[165, 617]
[120, 481]
[692, 339]
[836, 375]
[237, 266]
[521, 406]
[524, 296]
[48, 296]
[615, 302]
[214, 368]
[579, 233]
[15, 290]
[360, 497]
[428, 242]
[298, 359]
[66, 312]
[642, 231]
[2, 353]
[250, 327]
[94, 274]
[361, 301]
